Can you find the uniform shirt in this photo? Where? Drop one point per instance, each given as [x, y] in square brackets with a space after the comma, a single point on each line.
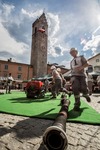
[55, 74]
[77, 62]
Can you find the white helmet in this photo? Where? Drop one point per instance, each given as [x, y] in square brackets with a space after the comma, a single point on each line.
[58, 69]
[53, 67]
[73, 49]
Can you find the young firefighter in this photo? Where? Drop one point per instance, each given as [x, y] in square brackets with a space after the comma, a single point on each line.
[78, 81]
[57, 82]
[63, 89]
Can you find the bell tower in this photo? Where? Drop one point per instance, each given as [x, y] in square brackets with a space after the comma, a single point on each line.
[39, 46]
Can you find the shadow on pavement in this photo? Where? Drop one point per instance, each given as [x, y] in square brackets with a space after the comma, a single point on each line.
[96, 95]
[75, 114]
[26, 129]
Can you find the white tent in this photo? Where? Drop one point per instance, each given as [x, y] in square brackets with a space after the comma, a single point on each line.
[67, 74]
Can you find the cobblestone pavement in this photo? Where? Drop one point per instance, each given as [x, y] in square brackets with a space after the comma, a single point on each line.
[24, 133]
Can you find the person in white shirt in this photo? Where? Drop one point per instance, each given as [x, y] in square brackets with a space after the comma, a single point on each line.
[98, 81]
[89, 80]
[9, 83]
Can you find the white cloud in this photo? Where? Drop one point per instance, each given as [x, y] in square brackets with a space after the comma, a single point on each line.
[65, 63]
[32, 14]
[96, 31]
[53, 24]
[7, 9]
[64, 28]
[9, 44]
[94, 43]
[83, 41]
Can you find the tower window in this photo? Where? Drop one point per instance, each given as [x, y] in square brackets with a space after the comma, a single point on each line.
[43, 27]
[35, 29]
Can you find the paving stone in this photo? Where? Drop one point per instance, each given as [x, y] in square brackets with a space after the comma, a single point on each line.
[36, 147]
[86, 137]
[34, 141]
[72, 141]
[82, 142]
[3, 146]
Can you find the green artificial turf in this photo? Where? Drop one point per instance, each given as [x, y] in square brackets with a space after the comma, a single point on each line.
[46, 108]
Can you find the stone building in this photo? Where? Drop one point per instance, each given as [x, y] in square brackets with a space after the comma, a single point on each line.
[94, 63]
[39, 46]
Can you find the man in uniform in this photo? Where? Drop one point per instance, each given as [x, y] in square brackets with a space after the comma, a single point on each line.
[57, 82]
[78, 81]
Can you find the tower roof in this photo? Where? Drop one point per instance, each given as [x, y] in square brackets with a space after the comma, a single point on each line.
[41, 18]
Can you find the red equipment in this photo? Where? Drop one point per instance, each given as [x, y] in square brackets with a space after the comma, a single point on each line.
[41, 30]
[35, 89]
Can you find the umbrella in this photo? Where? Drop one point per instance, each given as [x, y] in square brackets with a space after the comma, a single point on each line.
[94, 73]
[43, 77]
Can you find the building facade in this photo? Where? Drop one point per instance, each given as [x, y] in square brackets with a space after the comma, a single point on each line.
[94, 63]
[39, 46]
[19, 71]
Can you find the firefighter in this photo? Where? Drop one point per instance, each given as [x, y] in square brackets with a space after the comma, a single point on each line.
[78, 81]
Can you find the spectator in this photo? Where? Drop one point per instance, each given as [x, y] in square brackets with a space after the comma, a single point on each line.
[9, 83]
[98, 81]
[89, 80]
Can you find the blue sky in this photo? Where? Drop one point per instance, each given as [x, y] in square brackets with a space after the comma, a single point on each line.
[72, 23]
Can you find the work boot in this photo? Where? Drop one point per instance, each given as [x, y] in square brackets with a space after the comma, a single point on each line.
[69, 94]
[88, 98]
[77, 104]
[76, 108]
